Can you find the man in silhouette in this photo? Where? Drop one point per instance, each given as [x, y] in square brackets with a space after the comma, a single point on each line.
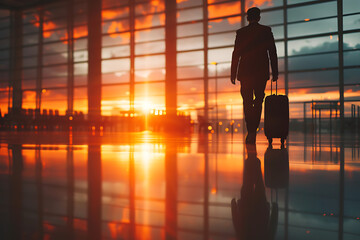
[254, 44]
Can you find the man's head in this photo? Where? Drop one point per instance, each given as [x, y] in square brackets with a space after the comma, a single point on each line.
[253, 14]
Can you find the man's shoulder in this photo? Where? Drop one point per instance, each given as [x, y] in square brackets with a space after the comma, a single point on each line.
[247, 28]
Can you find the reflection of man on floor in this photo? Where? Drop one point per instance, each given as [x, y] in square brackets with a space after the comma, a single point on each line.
[250, 65]
[251, 213]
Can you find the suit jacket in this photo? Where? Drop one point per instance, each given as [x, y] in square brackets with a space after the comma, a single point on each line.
[253, 46]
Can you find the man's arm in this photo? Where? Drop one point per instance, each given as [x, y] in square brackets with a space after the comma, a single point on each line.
[273, 57]
[235, 59]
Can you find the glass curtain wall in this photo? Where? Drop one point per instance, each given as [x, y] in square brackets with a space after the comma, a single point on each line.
[133, 55]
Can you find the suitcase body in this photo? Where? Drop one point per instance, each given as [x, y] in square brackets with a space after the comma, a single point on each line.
[276, 117]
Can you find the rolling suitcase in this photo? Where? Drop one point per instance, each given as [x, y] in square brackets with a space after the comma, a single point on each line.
[276, 116]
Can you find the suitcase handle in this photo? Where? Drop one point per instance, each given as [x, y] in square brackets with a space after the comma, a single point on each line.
[271, 87]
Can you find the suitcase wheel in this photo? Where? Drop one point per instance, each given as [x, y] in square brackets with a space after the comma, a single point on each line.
[270, 141]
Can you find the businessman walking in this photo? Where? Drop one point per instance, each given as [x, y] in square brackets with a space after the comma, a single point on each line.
[254, 44]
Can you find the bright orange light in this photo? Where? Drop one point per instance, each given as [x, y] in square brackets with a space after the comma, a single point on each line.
[213, 190]
[101, 128]
[220, 123]
[43, 91]
[210, 128]
[235, 130]
[307, 19]
[15, 127]
[93, 128]
[226, 129]
[71, 118]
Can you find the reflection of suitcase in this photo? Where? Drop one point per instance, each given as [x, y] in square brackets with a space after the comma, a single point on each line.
[276, 116]
[276, 168]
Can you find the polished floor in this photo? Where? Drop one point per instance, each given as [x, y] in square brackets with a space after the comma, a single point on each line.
[151, 186]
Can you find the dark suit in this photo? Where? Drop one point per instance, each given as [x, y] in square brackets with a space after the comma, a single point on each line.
[250, 65]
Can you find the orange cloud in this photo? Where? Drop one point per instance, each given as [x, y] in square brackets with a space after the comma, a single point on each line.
[258, 3]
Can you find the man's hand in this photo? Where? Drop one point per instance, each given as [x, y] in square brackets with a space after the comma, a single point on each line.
[274, 78]
[233, 81]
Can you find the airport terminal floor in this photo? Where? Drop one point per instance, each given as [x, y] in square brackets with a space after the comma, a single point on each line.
[162, 186]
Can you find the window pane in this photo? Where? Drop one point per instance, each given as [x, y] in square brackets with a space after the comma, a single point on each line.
[314, 62]
[117, 77]
[190, 43]
[223, 39]
[313, 45]
[318, 78]
[190, 87]
[115, 65]
[225, 9]
[312, 27]
[150, 35]
[113, 52]
[190, 72]
[150, 62]
[189, 29]
[152, 47]
[189, 15]
[222, 25]
[190, 58]
[54, 82]
[312, 11]
[149, 75]
[150, 21]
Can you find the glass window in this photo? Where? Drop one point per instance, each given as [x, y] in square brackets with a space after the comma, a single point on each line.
[185, 30]
[56, 71]
[55, 59]
[29, 84]
[224, 39]
[220, 55]
[149, 89]
[148, 48]
[222, 25]
[272, 17]
[114, 13]
[149, 75]
[314, 61]
[351, 41]
[80, 100]
[190, 72]
[192, 3]
[190, 58]
[150, 35]
[352, 22]
[351, 76]
[54, 82]
[313, 45]
[263, 4]
[115, 65]
[317, 78]
[114, 52]
[116, 26]
[151, 7]
[190, 87]
[224, 9]
[312, 27]
[150, 62]
[351, 6]
[312, 11]
[190, 43]
[54, 99]
[117, 77]
[115, 39]
[189, 15]
[352, 58]
[27, 62]
[80, 56]
[150, 21]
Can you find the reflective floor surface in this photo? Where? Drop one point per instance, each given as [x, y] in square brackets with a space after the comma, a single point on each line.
[150, 186]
